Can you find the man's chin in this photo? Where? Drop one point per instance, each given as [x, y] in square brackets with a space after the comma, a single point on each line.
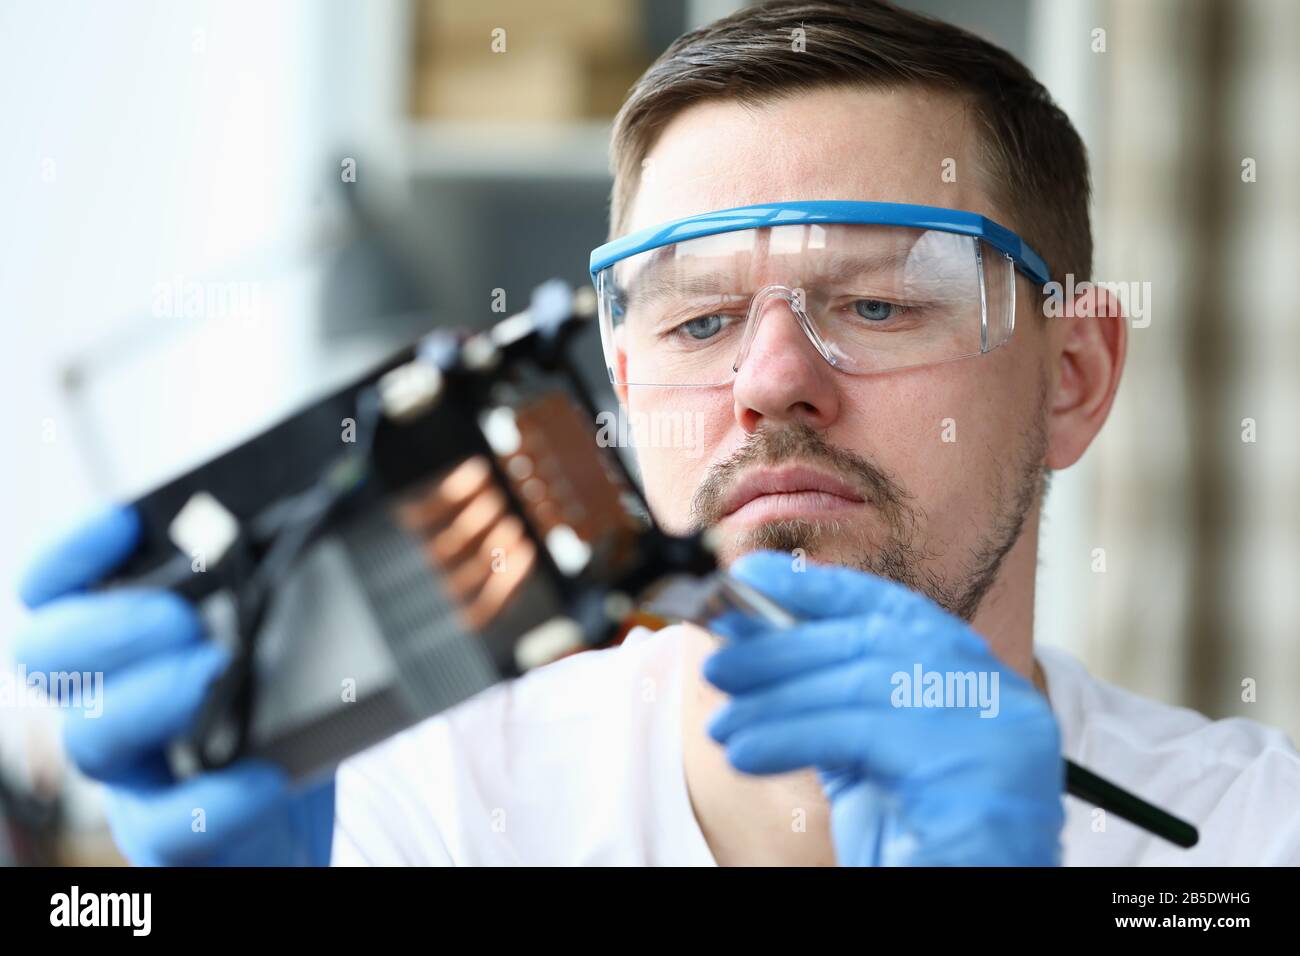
[824, 542]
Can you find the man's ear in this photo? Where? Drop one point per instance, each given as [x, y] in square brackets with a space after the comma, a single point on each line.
[1088, 345]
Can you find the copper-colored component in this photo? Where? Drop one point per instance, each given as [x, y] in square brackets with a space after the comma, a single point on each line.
[581, 490]
[434, 507]
[459, 538]
[466, 579]
[557, 474]
[501, 586]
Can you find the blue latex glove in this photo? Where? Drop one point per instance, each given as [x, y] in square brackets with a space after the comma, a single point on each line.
[157, 665]
[906, 785]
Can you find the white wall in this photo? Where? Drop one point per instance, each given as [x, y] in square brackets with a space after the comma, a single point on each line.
[142, 141]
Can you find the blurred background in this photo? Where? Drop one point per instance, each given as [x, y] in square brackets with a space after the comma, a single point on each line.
[212, 212]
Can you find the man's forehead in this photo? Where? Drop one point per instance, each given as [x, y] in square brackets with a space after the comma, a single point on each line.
[898, 145]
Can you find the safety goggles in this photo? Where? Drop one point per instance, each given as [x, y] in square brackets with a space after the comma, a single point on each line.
[874, 287]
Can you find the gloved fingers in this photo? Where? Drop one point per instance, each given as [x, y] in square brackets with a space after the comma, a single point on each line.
[865, 683]
[782, 653]
[970, 752]
[821, 591]
[82, 557]
[867, 741]
[141, 708]
[195, 819]
[150, 770]
[737, 626]
[104, 632]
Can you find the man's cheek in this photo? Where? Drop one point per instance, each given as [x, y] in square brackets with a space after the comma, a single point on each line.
[960, 482]
[676, 436]
[670, 478]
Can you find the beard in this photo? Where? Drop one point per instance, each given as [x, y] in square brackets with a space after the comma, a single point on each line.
[903, 555]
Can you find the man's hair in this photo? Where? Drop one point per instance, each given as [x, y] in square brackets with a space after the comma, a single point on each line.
[1035, 165]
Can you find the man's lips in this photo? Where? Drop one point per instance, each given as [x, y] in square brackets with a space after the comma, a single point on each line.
[767, 494]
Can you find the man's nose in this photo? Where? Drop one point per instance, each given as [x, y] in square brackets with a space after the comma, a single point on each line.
[782, 377]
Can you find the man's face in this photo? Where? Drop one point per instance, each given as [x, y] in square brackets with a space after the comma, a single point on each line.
[934, 468]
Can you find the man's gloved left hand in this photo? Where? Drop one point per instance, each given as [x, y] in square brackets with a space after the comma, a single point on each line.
[908, 785]
[155, 662]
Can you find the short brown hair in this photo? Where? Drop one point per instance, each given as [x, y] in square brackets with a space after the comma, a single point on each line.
[1036, 161]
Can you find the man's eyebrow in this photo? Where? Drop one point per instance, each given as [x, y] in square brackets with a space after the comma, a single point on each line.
[660, 276]
[641, 291]
[850, 265]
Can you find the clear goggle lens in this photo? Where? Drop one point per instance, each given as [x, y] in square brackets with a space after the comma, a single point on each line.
[868, 298]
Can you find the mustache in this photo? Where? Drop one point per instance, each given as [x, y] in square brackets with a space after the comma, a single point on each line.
[797, 442]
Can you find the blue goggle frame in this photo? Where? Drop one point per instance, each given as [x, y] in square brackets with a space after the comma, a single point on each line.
[1027, 261]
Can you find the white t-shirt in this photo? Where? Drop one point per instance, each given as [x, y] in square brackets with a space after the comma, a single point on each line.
[579, 762]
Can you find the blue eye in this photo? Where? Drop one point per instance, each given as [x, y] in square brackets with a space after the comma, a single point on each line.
[705, 327]
[873, 309]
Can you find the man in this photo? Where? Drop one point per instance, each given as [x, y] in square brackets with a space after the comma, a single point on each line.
[881, 399]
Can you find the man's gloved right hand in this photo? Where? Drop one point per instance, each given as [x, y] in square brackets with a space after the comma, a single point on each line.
[157, 666]
[910, 782]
